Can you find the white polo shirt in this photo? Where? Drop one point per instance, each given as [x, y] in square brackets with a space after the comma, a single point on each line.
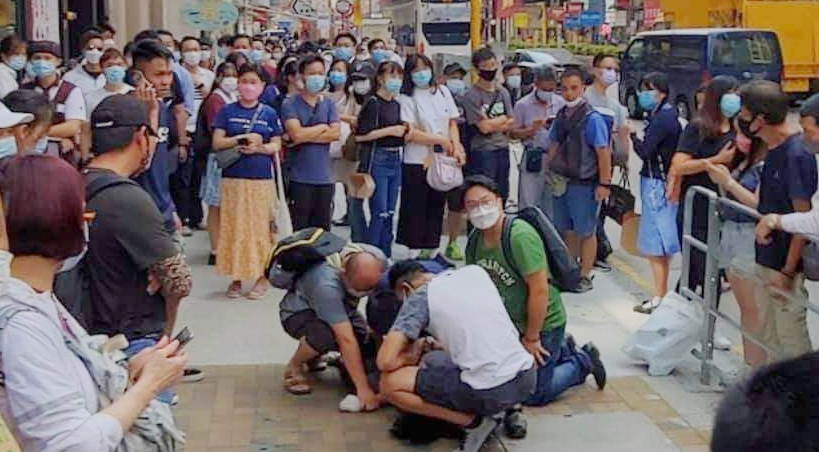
[83, 80]
[98, 95]
[431, 112]
[74, 107]
[8, 80]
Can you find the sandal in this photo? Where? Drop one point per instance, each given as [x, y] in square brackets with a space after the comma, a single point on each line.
[234, 290]
[256, 293]
[296, 384]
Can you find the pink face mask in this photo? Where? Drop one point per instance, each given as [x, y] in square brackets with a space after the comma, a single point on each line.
[250, 92]
[743, 143]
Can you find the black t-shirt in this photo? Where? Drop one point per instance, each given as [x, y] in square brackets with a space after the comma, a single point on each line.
[378, 113]
[789, 174]
[699, 148]
[126, 237]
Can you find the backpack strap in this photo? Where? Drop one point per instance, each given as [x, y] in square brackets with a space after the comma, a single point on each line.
[63, 92]
[506, 245]
[99, 184]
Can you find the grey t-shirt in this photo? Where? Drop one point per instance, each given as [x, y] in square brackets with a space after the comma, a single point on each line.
[480, 104]
[413, 318]
[602, 102]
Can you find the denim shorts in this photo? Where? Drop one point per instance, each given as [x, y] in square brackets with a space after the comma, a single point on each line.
[576, 210]
[439, 382]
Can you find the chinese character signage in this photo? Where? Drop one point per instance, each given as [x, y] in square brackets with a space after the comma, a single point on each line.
[43, 20]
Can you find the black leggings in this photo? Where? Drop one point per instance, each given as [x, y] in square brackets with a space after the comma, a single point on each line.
[310, 205]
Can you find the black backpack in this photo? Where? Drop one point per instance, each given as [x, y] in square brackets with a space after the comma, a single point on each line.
[296, 254]
[564, 269]
[73, 287]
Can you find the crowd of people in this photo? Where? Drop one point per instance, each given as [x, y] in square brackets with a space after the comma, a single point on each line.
[144, 145]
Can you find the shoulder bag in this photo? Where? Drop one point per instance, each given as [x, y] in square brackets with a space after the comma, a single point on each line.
[362, 184]
[228, 157]
[444, 172]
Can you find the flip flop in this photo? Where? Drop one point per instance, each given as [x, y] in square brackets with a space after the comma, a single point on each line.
[296, 385]
[256, 294]
[234, 291]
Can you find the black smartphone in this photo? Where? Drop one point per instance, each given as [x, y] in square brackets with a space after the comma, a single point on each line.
[184, 337]
[243, 142]
[438, 148]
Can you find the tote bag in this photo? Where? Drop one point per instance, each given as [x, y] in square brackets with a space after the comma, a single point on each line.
[281, 209]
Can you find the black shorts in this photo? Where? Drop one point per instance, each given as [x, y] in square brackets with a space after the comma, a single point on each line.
[454, 199]
[318, 333]
[439, 382]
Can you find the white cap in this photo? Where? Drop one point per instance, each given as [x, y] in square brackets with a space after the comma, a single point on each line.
[9, 118]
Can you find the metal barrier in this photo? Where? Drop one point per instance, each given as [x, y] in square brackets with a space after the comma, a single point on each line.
[711, 282]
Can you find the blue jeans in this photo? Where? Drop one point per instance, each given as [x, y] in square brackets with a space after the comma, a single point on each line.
[137, 345]
[492, 164]
[564, 369]
[386, 171]
[355, 216]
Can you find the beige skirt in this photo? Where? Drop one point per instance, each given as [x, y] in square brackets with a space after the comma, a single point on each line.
[245, 238]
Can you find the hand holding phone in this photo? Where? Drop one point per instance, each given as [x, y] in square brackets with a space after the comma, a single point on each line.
[243, 141]
[183, 337]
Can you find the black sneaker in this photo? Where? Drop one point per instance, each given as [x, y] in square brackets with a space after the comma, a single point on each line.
[570, 343]
[598, 370]
[193, 375]
[514, 423]
[212, 259]
[584, 285]
[602, 266]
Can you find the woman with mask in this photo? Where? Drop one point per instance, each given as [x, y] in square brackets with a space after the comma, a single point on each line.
[245, 238]
[13, 56]
[113, 67]
[227, 84]
[512, 81]
[709, 138]
[657, 237]
[431, 112]
[382, 133]
[52, 396]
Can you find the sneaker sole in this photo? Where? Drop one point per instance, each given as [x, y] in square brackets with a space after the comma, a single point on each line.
[193, 378]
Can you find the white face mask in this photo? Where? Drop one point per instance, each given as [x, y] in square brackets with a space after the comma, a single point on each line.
[361, 87]
[93, 56]
[574, 103]
[483, 217]
[206, 54]
[230, 84]
[72, 262]
[192, 58]
[109, 43]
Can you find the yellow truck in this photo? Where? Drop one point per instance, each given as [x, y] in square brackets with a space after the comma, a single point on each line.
[796, 23]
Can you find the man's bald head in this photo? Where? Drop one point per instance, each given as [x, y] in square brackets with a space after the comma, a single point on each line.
[362, 271]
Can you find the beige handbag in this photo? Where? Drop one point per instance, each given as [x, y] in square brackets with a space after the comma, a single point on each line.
[628, 236]
[362, 185]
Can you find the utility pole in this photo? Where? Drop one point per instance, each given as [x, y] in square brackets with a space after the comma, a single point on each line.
[475, 28]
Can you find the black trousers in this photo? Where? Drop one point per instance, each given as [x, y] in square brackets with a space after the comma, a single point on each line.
[421, 213]
[180, 184]
[310, 205]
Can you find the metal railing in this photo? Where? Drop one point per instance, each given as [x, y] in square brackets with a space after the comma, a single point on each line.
[711, 283]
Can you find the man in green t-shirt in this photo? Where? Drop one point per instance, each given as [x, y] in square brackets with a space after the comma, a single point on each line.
[534, 305]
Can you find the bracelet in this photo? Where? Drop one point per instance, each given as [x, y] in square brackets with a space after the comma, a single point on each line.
[526, 339]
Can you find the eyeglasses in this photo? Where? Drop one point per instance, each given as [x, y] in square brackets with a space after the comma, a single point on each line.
[485, 202]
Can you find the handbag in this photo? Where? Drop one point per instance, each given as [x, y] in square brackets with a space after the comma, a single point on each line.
[620, 201]
[281, 209]
[533, 159]
[228, 157]
[628, 236]
[444, 172]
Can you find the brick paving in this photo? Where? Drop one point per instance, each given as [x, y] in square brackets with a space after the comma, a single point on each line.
[245, 409]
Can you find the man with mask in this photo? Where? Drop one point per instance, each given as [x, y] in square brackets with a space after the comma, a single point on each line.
[488, 113]
[137, 275]
[344, 46]
[534, 114]
[512, 81]
[223, 48]
[580, 162]
[321, 313]
[535, 306]
[605, 76]
[88, 76]
[788, 181]
[67, 99]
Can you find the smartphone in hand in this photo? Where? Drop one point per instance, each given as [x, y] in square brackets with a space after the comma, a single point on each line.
[243, 141]
[183, 337]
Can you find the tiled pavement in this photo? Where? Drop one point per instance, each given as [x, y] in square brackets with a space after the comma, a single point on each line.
[244, 409]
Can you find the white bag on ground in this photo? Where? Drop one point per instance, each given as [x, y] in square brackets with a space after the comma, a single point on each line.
[670, 333]
[281, 211]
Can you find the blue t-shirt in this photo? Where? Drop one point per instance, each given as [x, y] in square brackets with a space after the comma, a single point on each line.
[597, 131]
[310, 162]
[269, 95]
[235, 119]
[156, 181]
[789, 174]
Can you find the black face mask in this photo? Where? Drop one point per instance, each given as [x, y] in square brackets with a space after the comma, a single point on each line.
[745, 127]
[488, 75]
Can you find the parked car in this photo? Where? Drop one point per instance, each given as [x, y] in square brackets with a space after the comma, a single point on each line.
[692, 56]
[560, 59]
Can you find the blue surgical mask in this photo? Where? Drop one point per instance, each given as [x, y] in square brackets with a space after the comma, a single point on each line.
[256, 55]
[422, 78]
[43, 68]
[393, 85]
[114, 75]
[314, 83]
[41, 145]
[730, 104]
[17, 62]
[338, 78]
[344, 53]
[30, 70]
[8, 146]
[456, 86]
[378, 55]
[222, 52]
[647, 99]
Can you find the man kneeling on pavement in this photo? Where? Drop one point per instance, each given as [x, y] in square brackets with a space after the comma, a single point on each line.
[321, 313]
[534, 305]
[482, 370]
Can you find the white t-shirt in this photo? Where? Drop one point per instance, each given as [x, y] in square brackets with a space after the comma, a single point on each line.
[98, 95]
[8, 80]
[74, 107]
[83, 80]
[429, 111]
[206, 77]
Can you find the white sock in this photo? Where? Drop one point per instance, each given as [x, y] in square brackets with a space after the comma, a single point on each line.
[350, 404]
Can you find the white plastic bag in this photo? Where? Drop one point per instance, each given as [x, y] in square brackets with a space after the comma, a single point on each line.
[444, 173]
[281, 211]
[670, 333]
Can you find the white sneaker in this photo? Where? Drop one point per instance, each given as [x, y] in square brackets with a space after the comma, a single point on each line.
[350, 404]
[475, 438]
[722, 343]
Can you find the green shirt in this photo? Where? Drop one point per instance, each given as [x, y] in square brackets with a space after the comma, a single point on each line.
[529, 253]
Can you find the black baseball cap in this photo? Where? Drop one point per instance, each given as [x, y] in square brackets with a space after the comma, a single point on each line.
[45, 47]
[362, 69]
[452, 68]
[115, 120]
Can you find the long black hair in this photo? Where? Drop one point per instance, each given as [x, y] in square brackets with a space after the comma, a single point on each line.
[386, 67]
[709, 116]
[413, 62]
[348, 83]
